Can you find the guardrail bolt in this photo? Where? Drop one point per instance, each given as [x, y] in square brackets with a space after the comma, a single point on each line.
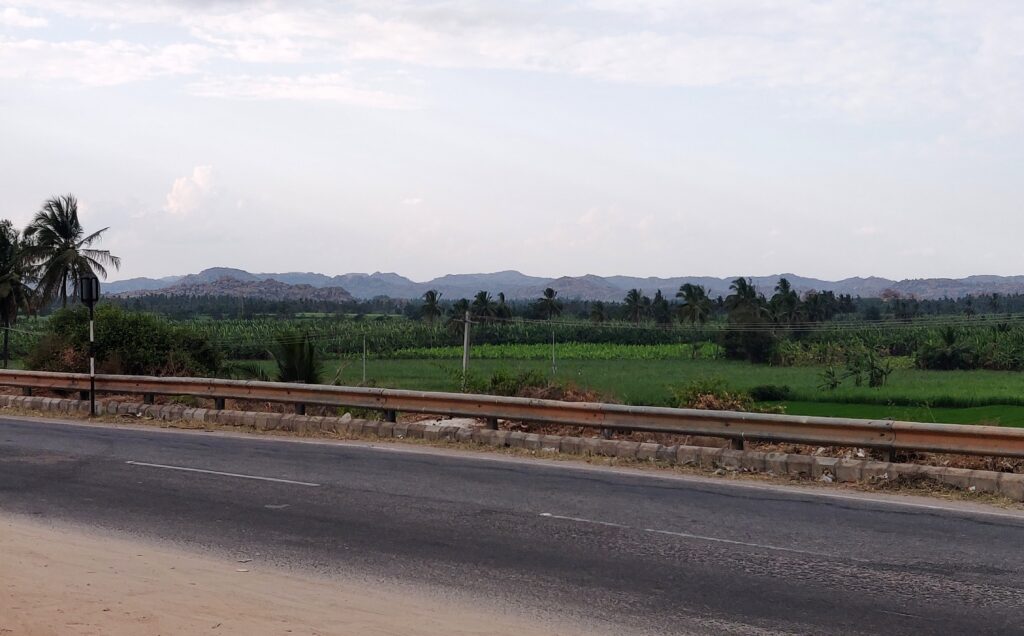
[737, 443]
[300, 408]
[147, 398]
[218, 403]
[26, 390]
[492, 423]
[390, 415]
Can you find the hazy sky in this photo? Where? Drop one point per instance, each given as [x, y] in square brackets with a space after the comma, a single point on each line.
[655, 137]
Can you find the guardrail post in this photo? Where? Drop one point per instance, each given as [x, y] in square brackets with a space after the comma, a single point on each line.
[492, 424]
[737, 443]
[390, 415]
[147, 398]
[26, 390]
[218, 403]
[300, 408]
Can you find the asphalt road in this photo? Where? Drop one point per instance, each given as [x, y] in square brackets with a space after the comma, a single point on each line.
[625, 552]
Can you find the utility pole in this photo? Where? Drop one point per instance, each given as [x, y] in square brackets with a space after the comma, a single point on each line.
[554, 367]
[89, 292]
[465, 349]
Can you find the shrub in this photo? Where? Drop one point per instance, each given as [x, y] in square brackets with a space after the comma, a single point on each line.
[711, 394]
[771, 393]
[126, 343]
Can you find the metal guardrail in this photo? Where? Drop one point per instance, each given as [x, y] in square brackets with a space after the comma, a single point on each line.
[823, 431]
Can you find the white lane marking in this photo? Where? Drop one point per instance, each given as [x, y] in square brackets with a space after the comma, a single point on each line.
[581, 520]
[217, 472]
[695, 537]
[762, 546]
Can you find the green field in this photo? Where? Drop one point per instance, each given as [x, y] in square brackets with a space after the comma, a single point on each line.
[964, 397]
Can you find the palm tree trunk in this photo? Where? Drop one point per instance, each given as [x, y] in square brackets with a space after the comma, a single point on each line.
[64, 290]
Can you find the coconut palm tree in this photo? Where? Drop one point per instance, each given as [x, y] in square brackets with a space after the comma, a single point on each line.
[744, 303]
[15, 291]
[431, 309]
[458, 311]
[549, 304]
[502, 310]
[483, 305]
[598, 313]
[637, 305]
[785, 304]
[696, 307]
[60, 250]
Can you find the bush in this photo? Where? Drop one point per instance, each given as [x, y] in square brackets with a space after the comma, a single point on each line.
[771, 393]
[128, 343]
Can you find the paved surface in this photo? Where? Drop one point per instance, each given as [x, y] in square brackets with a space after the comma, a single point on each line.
[631, 553]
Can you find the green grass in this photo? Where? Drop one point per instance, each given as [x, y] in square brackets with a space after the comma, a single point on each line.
[911, 394]
[996, 414]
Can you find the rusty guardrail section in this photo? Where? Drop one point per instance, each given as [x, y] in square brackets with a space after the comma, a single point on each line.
[823, 431]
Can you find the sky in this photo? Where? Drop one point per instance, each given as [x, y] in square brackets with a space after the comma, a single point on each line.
[651, 138]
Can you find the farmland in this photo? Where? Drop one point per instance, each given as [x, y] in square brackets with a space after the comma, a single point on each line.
[644, 363]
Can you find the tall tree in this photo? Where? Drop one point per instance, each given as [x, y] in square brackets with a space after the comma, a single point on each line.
[15, 289]
[660, 309]
[60, 250]
[598, 313]
[696, 306]
[637, 305]
[548, 304]
[502, 310]
[431, 309]
[744, 303]
[785, 304]
[483, 305]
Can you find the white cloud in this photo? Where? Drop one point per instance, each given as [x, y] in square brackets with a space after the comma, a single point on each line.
[331, 87]
[940, 58]
[189, 193]
[96, 63]
[14, 18]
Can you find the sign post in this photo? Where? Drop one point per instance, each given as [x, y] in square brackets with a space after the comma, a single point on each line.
[89, 293]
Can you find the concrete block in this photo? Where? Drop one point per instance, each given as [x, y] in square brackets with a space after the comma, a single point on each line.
[606, 447]
[753, 462]
[956, 477]
[517, 439]
[500, 438]
[799, 465]
[431, 432]
[550, 443]
[897, 470]
[110, 408]
[709, 457]
[849, 470]
[688, 456]
[464, 435]
[1011, 486]
[185, 415]
[667, 454]
[532, 441]
[198, 415]
[775, 463]
[874, 470]
[984, 481]
[415, 430]
[590, 445]
[821, 466]
[570, 445]
[648, 451]
[730, 459]
[450, 431]
[627, 450]
[400, 430]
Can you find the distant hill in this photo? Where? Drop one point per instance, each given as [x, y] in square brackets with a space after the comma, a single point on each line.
[268, 289]
[519, 286]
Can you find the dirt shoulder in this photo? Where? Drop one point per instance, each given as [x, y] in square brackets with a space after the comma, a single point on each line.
[56, 580]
